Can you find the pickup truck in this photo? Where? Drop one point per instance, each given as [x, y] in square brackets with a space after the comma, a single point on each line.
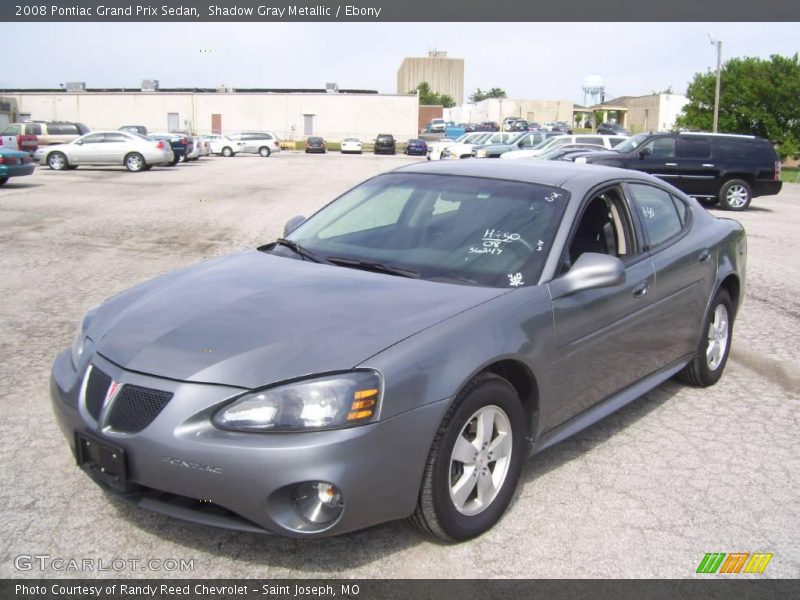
[13, 139]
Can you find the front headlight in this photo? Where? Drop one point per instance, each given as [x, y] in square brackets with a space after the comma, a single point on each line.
[328, 402]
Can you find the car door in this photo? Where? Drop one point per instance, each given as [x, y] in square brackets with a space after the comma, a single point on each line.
[684, 266]
[603, 338]
[699, 176]
[10, 134]
[114, 148]
[87, 150]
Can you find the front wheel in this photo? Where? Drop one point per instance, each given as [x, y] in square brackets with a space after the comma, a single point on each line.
[227, 152]
[474, 464]
[715, 344]
[264, 151]
[57, 161]
[134, 162]
[735, 194]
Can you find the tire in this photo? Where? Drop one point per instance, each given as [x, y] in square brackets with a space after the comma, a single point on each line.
[735, 194]
[227, 152]
[454, 512]
[705, 370]
[72, 167]
[135, 162]
[3, 180]
[147, 167]
[264, 152]
[57, 161]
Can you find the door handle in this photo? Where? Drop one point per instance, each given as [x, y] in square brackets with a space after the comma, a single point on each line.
[641, 289]
[707, 165]
[670, 164]
[704, 256]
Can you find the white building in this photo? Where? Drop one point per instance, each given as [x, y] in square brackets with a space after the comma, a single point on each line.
[497, 109]
[292, 115]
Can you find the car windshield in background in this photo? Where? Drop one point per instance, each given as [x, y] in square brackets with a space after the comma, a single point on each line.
[631, 143]
[487, 232]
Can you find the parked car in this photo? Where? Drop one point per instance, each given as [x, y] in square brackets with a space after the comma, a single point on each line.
[14, 138]
[464, 149]
[562, 126]
[436, 126]
[488, 126]
[463, 315]
[564, 152]
[198, 149]
[519, 125]
[600, 141]
[416, 146]
[435, 149]
[315, 144]
[351, 144]
[49, 133]
[262, 143]
[140, 129]
[611, 129]
[384, 144]
[729, 169]
[222, 144]
[521, 141]
[178, 143]
[134, 151]
[14, 163]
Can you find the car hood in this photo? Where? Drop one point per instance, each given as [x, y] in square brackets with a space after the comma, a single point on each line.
[251, 319]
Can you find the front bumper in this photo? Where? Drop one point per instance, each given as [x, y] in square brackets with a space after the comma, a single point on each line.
[247, 478]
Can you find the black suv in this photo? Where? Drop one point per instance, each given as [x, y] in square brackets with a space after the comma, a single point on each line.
[384, 143]
[713, 167]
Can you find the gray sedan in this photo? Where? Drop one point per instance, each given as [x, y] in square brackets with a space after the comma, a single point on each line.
[402, 351]
[136, 152]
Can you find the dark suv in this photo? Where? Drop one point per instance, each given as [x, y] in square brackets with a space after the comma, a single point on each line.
[384, 143]
[713, 167]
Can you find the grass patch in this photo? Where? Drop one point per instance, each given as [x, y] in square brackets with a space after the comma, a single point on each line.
[790, 175]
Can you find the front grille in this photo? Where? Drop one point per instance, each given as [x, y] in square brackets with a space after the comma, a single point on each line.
[135, 408]
[96, 389]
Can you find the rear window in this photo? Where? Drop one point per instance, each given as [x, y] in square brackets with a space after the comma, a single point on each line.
[744, 149]
[33, 129]
[62, 129]
[693, 147]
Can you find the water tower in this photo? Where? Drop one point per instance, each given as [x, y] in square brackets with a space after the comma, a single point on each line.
[595, 88]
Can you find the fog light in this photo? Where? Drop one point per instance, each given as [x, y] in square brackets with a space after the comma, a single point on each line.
[317, 502]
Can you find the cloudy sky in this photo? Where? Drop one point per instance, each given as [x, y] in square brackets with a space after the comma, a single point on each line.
[528, 60]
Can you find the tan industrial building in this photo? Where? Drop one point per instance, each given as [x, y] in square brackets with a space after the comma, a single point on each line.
[444, 75]
[292, 115]
[653, 112]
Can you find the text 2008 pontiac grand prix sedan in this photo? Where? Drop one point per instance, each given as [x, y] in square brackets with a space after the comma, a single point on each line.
[403, 350]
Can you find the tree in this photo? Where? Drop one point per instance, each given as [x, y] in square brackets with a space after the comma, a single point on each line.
[479, 94]
[428, 96]
[757, 97]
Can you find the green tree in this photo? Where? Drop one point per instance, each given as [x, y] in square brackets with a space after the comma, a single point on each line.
[757, 97]
[428, 96]
[479, 94]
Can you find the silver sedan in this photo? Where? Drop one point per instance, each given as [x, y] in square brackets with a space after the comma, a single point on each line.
[136, 152]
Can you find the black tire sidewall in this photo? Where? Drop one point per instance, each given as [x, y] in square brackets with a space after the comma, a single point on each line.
[63, 166]
[141, 158]
[707, 376]
[457, 526]
[723, 193]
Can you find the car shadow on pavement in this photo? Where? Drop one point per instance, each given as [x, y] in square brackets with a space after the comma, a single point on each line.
[349, 551]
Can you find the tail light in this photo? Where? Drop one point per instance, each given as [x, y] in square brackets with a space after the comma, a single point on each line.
[4, 160]
[183, 141]
[777, 170]
[160, 145]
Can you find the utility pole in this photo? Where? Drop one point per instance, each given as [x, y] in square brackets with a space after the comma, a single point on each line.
[718, 44]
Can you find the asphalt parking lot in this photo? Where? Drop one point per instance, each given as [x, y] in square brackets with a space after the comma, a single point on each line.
[645, 493]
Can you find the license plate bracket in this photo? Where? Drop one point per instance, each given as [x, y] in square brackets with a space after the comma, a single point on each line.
[104, 462]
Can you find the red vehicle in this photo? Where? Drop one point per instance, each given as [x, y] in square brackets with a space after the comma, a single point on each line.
[13, 138]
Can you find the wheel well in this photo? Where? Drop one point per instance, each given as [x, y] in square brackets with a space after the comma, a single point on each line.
[732, 286]
[523, 381]
[743, 176]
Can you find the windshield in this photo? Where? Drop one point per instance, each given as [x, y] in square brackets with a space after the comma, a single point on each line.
[631, 143]
[471, 230]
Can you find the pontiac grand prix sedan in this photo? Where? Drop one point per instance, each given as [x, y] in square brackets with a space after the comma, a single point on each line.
[401, 352]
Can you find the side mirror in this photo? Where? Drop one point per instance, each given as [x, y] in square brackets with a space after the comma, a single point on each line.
[293, 224]
[645, 152]
[590, 271]
[79, 142]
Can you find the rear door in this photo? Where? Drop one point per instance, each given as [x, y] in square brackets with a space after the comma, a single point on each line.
[10, 134]
[114, 148]
[699, 175]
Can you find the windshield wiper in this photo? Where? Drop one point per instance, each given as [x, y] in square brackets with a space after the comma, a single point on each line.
[368, 265]
[298, 249]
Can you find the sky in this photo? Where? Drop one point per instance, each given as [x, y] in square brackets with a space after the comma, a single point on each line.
[527, 60]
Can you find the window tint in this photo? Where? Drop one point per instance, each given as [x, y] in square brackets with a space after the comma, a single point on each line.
[94, 138]
[682, 208]
[663, 147]
[658, 213]
[604, 228]
[588, 140]
[62, 129]
[114, 138]
[693, 147]
[12, 130]
[33, 129]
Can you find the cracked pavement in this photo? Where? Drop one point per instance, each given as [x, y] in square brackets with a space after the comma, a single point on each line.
[645, 493]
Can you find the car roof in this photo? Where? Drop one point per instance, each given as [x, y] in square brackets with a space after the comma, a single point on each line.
[549, 173]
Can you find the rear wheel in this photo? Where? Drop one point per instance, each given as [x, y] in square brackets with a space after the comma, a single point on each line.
[735, 194]
[475, 461]
[134, 162]
[715, 343]
[227, 152]
[264, 151]
[57, 161]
